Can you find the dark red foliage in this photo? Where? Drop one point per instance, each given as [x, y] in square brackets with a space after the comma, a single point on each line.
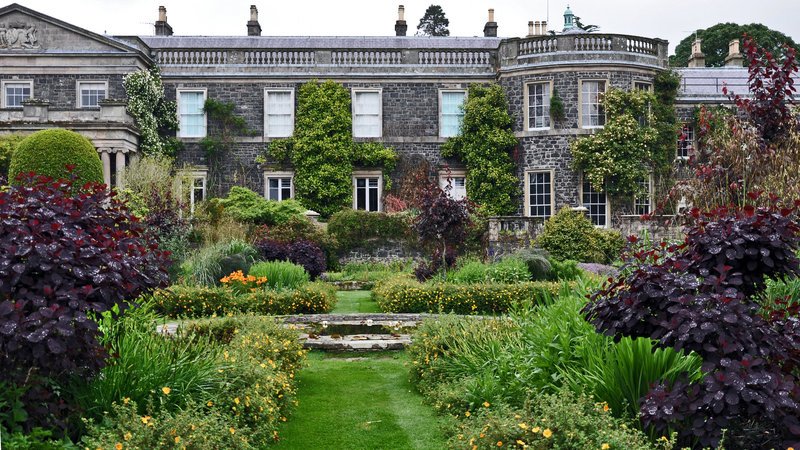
[441, 224]
[701, 298]
[309, 255]
[65, 253]
[771, 91]
[303, 253]
[425, 271]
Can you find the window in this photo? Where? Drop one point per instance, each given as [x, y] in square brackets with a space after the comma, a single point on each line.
[596, 203]
[90, 93]
[366, 113]
[642, 86]
[592, 113]
[452, 114]
[367, 191]
[458, 183]
[686, 142]
[278, 113]
[538, 106]
[278, 185]
[15, 92]
[641, 203]
[198, 192]
[191, 117]
[539, 193]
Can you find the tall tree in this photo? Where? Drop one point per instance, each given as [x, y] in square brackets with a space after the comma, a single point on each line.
[716, 39]
[433, 23]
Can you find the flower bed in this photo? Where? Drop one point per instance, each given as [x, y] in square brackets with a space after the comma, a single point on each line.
[401, 294]
[256, 361]
[197, 301]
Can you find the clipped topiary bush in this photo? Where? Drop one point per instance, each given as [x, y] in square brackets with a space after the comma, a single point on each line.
[48, 152]
[8, 144]
[571, 235]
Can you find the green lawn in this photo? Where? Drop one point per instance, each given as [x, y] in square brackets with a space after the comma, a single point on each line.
[363, 403]
[355, 302]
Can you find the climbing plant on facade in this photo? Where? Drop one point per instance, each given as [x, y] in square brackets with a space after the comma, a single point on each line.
[637, 140]
[152, 113]
[221, 139]
[484, 145]
[322, 149]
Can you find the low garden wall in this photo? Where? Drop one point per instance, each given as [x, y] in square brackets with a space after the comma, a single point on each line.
[380, 252]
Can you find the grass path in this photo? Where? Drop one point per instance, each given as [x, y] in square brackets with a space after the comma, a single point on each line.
[355, 302]
[359, 401]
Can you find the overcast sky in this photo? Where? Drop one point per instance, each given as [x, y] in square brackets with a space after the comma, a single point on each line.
[667, 19]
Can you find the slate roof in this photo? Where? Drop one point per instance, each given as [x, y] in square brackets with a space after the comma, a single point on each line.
[321, 42]
[707, 82]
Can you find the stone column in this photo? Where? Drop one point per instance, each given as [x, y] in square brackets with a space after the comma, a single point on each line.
[106, 159]
[120, 168]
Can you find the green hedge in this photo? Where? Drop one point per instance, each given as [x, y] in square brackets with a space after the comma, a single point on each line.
[352, 228]
[402, 294]
[197, 301]
[48, 152]
[245, 205]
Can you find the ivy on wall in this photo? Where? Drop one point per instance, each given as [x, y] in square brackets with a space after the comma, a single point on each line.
[153, 114]
[322, 149]
[221, 139]
[638, 139]
[484, 144]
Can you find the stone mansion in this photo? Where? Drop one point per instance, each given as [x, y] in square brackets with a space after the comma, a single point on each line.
[405, 92]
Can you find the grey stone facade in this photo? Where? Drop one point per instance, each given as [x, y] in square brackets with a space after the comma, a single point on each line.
[409, 71]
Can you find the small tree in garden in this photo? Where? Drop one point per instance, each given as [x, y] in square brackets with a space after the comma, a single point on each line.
[63, 258]
[442, 223]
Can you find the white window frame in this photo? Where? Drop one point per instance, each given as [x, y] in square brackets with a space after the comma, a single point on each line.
[79, 91]
[527, 190]
[180, 133]
[5, 95]
[689, 142]
[528, 116]
[608, 204]
[267, 92]
[192, 176]
[368, 174]
[649, 196]
[637, 83]
[441, 111]
[353, 94]
[268, 175]
[453, 174]
[581, 117]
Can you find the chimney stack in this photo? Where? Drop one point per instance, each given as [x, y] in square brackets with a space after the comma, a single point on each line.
[162, 27]
[735, 57]
[697, 58]
[530, 28]
[253, 27]
[400, 27]
[544, 27]
[490, 29]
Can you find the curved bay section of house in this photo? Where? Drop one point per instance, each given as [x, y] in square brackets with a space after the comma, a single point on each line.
[56, 75]
[577, 68]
